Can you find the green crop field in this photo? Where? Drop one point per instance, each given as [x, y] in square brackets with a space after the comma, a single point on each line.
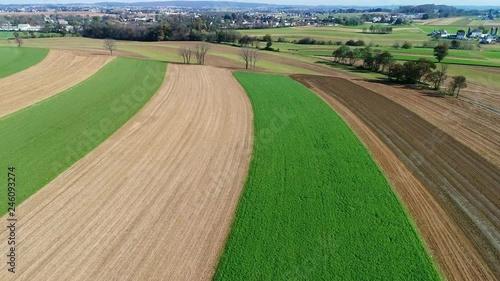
[43, 140]
[341, 33]
[6, 34]
[15, 59]
[450, 60]
[315, 205]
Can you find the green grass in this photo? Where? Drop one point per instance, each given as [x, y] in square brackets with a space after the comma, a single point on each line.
[14, 59]
[44, 140]
[481, 76]
[341, 34]
[6, 34]
[449, 60]
[315, 205]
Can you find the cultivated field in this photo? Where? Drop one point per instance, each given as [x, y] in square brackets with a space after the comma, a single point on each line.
[462, 181]
[315, 205]
[59, 71]
[60, 130]
[154, 201]
[473, 126]
[16, 59]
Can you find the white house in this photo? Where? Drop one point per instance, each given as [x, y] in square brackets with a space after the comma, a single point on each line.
[476, 33]
[23, 27]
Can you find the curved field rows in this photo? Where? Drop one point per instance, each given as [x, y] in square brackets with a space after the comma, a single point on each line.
[153, 202]
[437, 161]
[57, 72]
[456, 257]
[473, 126]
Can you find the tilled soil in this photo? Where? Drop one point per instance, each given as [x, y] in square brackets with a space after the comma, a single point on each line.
[156, 200]
[465, 236]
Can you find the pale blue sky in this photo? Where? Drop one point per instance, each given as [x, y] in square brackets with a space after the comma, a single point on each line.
[298, 2]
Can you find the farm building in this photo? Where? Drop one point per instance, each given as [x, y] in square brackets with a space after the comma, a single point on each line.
[490, 39]
[461, 35]
[27, 27]
[475, 33]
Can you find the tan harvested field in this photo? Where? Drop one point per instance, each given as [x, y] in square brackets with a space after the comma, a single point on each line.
[219, 55]
[484, 95]
[442, 21]
[59, 71]
[460, 221]
[153, 202]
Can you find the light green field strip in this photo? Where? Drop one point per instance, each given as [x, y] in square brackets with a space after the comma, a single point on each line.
[14, 59]
[315, 205]
[44, 140]
[6, 34]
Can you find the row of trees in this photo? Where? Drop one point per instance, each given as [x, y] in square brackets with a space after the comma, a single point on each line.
[373, 60]
[410, 72]
[250, 56]
[199, 52]
[378, 29]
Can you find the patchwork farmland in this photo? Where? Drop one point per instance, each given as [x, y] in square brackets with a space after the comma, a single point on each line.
[135, 166]
[59, 71]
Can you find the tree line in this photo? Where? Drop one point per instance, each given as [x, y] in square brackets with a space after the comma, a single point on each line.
[410, 72]
[378, 29]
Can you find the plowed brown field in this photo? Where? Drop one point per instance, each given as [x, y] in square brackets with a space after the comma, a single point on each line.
[59, 71]
[476, 128]
[153, 202]
[451, 191]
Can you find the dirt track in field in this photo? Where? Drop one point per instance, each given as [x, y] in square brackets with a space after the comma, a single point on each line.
[56, 73]
[153, 202]
[451, 192]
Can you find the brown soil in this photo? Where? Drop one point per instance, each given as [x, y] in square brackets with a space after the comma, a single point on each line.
[473, 126]
[57, 72]
[452, 192]
[153, 202]
[484, 95]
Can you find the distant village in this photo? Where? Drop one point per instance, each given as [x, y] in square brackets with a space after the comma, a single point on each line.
[25, 27]
[72, 18]
[490, 37]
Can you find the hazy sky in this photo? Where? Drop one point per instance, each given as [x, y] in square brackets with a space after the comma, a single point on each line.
[298, 2]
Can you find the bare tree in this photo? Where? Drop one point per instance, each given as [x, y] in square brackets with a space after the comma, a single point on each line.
[189, 54]
[186, 54]
[182, 52]
[19, 40]
[245, 55]
[200, 51]
[254, 54]
[250, 56]
[110, 44]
